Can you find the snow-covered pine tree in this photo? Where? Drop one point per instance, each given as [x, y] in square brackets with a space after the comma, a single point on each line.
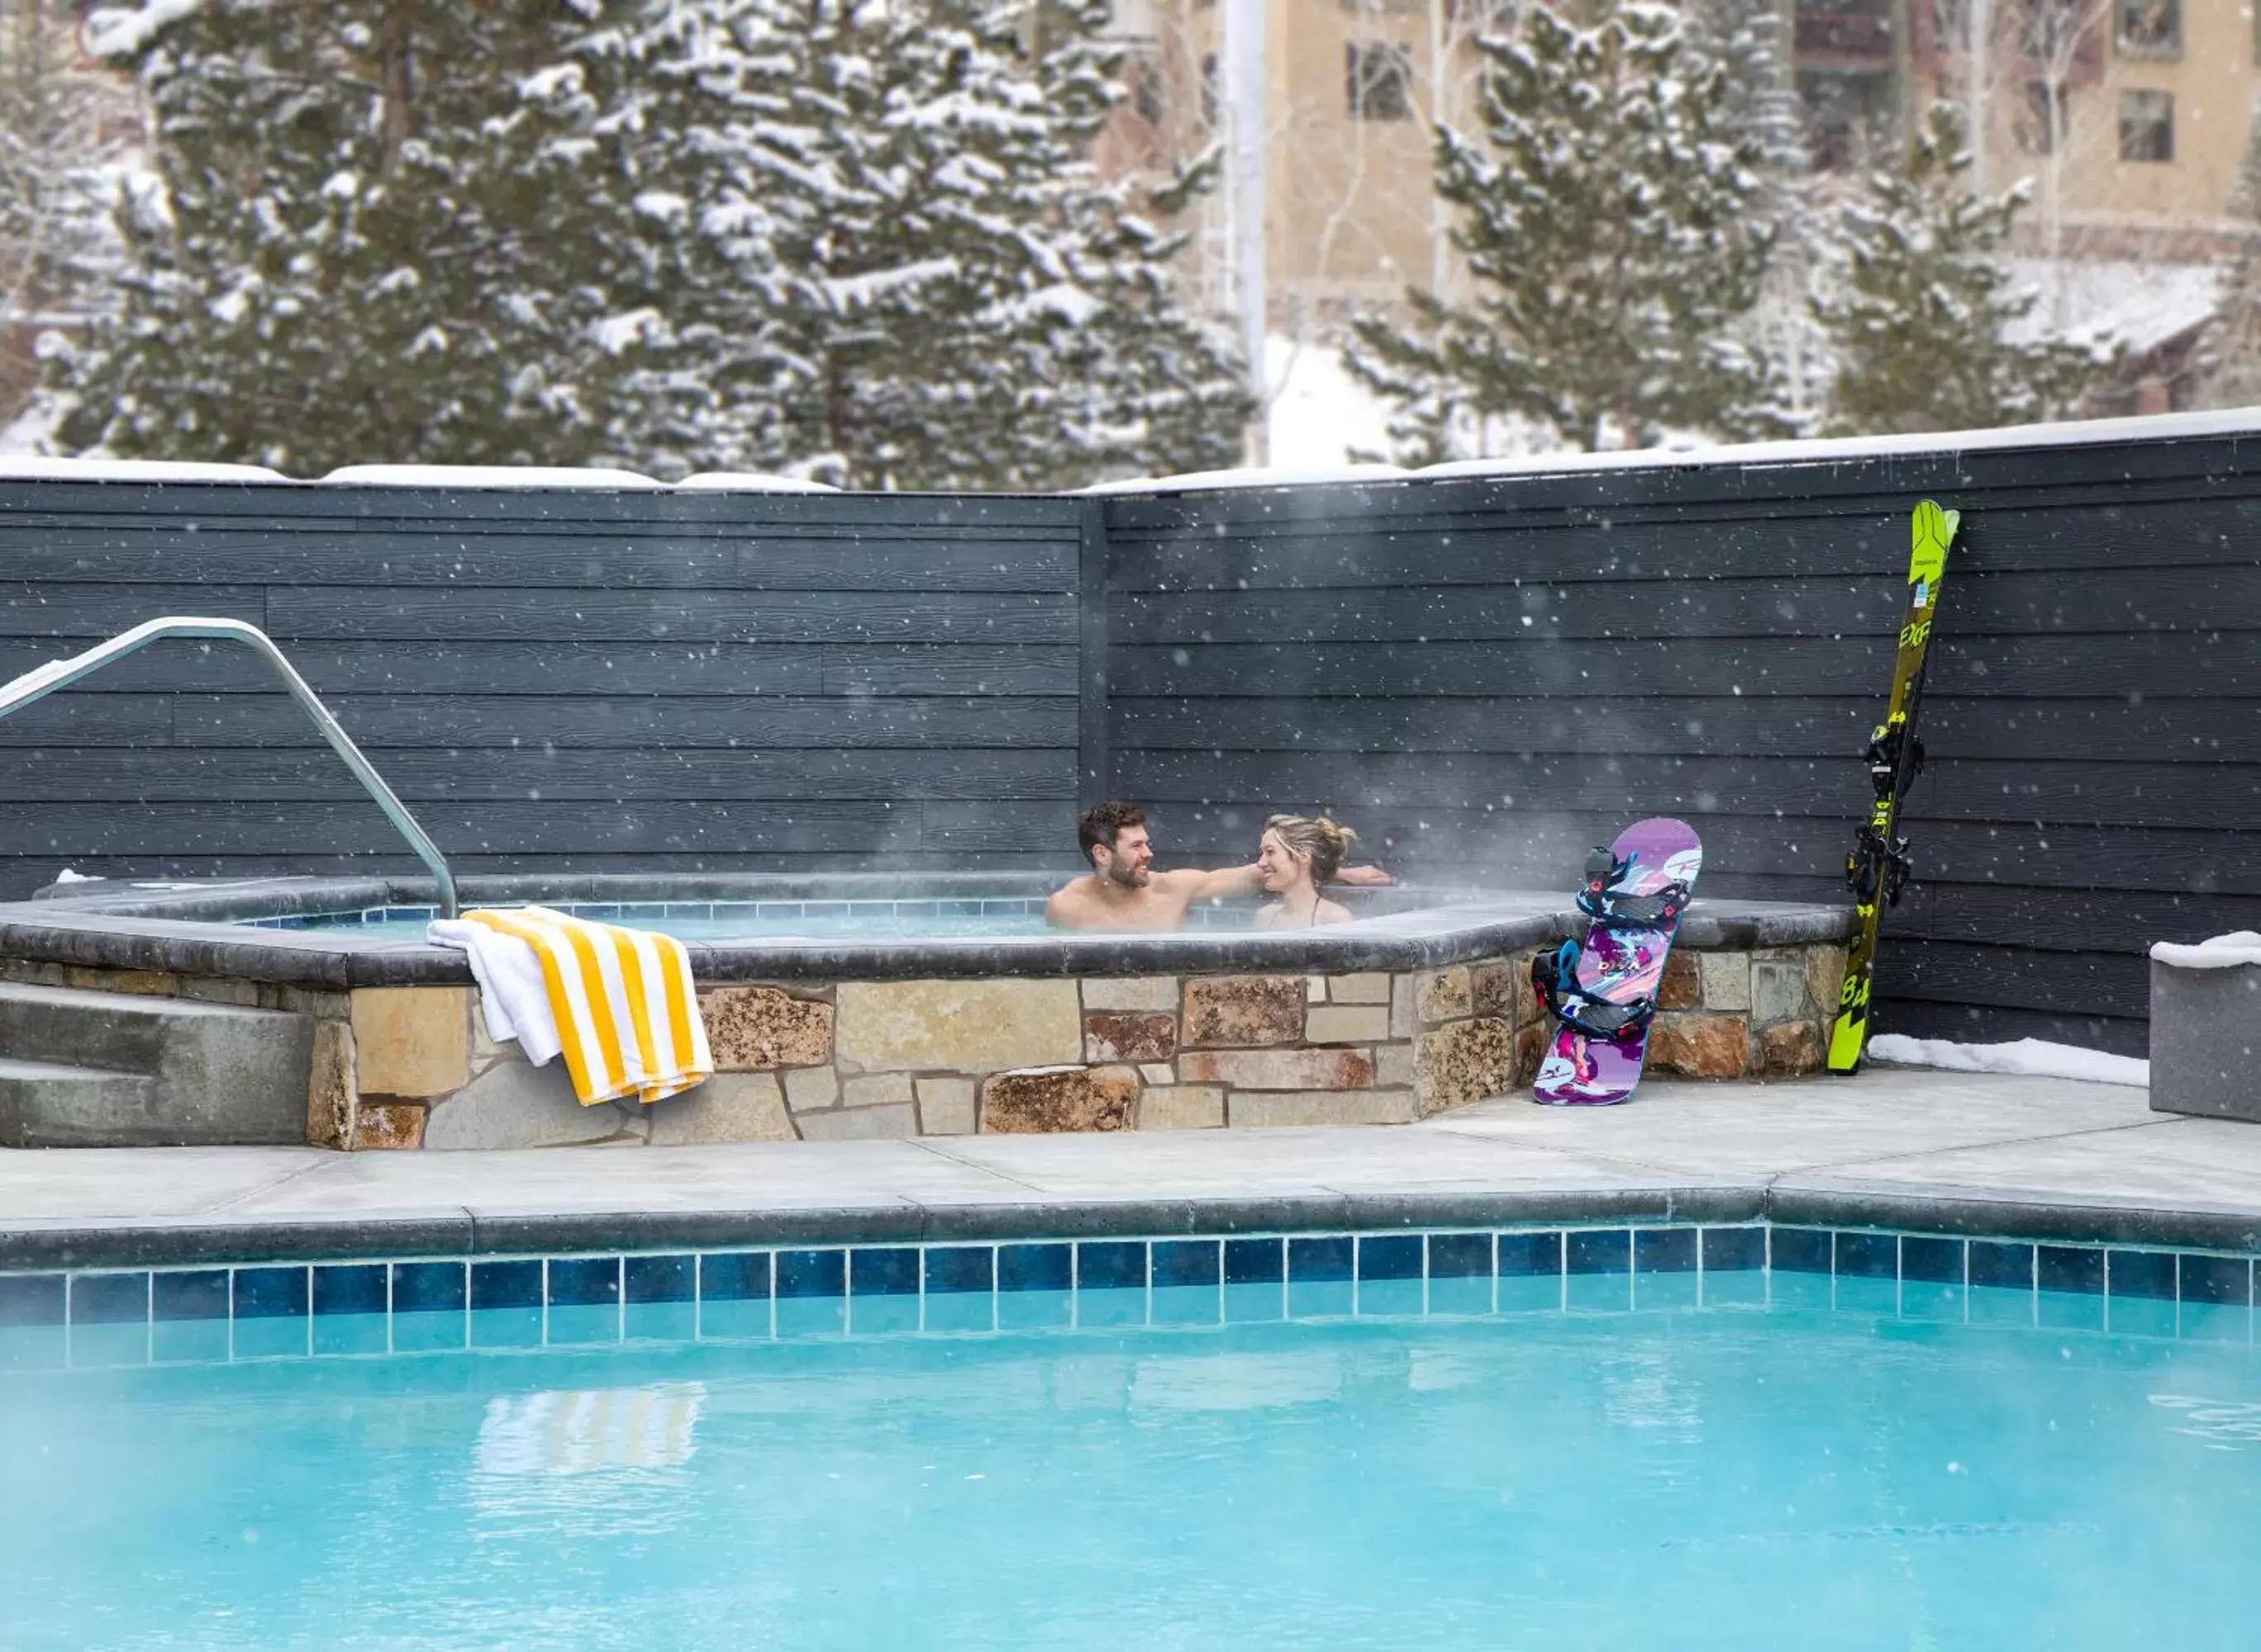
[1614, 224]
[374, 239]
[2231, 364]
[1922, 315]
[957, 299]
[1749, 39]
[66, 139]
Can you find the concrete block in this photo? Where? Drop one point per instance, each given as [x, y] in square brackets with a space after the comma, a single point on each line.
[2205, 1037]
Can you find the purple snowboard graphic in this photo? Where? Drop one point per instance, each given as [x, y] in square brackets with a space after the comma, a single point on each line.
[1621, 964]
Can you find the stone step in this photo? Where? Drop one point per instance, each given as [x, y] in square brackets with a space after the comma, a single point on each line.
[219, 1075]
[45, 1104]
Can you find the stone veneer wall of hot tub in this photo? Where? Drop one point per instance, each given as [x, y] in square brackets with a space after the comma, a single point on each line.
[1080, 1037]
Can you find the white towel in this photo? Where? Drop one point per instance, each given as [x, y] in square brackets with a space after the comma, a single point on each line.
[618, 1003]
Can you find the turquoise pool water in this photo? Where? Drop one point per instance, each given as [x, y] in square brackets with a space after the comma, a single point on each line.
[1789, 1466]
[740, 920]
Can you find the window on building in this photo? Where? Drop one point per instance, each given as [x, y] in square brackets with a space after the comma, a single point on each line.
[2150, 28]
[2147, 126]
[2040, 118]
[1378, 81]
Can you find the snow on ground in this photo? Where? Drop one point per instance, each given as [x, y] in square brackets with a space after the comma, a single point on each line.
[1319, 415]
[2036, 1058]
[2220, 952]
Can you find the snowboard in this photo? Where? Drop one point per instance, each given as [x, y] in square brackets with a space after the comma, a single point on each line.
[1878, 866]
[1603, 991]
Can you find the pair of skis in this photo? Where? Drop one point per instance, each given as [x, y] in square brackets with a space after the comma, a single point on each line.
[1878, 868]
[1603, 991]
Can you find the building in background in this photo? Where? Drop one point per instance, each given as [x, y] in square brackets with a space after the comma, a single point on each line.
[2128, 118]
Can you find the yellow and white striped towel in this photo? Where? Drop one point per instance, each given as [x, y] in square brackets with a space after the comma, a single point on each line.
[620, 1002]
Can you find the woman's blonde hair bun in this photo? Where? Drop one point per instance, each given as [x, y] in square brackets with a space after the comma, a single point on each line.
[1327, 843]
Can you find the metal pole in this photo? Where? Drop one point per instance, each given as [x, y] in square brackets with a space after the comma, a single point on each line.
[1244, 128]
[39, 683]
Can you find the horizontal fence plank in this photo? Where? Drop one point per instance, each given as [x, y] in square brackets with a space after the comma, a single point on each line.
[599, 720]
[87, 720]
[1417, 724]
[406, 614]
[527, 827]
[21, 874]
[656, 775]
[370, 558]
[1980, 1022]
[2016, 978]
[1789, 539]
[497, 666]
[2223, 665]
[2067, 920]
[565, 511]
[2223, 597]
[92, 613]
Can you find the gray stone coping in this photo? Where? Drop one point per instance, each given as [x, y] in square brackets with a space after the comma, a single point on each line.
[191, 929]
[1914, 1151]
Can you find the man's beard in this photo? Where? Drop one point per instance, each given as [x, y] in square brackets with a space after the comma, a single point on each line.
[1128, 878]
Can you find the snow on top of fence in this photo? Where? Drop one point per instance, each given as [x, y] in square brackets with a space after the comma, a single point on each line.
[34, 467]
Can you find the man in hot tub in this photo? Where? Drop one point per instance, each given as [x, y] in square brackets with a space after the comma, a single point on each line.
[1124, 892]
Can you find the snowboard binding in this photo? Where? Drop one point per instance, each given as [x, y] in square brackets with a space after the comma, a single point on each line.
[1555, 977]
[1599, 900]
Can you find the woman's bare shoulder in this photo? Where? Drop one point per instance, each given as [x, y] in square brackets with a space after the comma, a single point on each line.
[1330, 912]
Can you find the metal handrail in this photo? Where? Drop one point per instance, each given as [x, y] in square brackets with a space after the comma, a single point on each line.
[39, 683]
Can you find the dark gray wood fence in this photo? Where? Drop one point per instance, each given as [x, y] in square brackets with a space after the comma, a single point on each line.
[1483, 675]
[597, 681]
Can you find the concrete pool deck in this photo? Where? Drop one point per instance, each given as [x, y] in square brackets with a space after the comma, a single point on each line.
[1892, 1147]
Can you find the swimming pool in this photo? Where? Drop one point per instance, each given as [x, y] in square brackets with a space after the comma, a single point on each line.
[1592, 1437]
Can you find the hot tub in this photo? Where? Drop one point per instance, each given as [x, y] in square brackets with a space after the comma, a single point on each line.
[875, 1005]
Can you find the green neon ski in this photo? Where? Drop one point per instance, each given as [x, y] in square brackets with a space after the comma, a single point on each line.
[1878, 868]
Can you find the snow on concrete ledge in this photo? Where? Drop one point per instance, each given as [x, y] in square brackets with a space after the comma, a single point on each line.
[2227, 421]
[495, 476]
[749, 482]
[1284, 476]
[122, 31]
[32, 467]
[2036, 1058]
[2220, 952]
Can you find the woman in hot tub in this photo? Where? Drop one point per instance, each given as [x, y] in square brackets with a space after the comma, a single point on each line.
[1297, 857]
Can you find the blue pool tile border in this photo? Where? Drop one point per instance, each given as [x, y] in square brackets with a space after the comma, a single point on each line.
[269, 1309]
